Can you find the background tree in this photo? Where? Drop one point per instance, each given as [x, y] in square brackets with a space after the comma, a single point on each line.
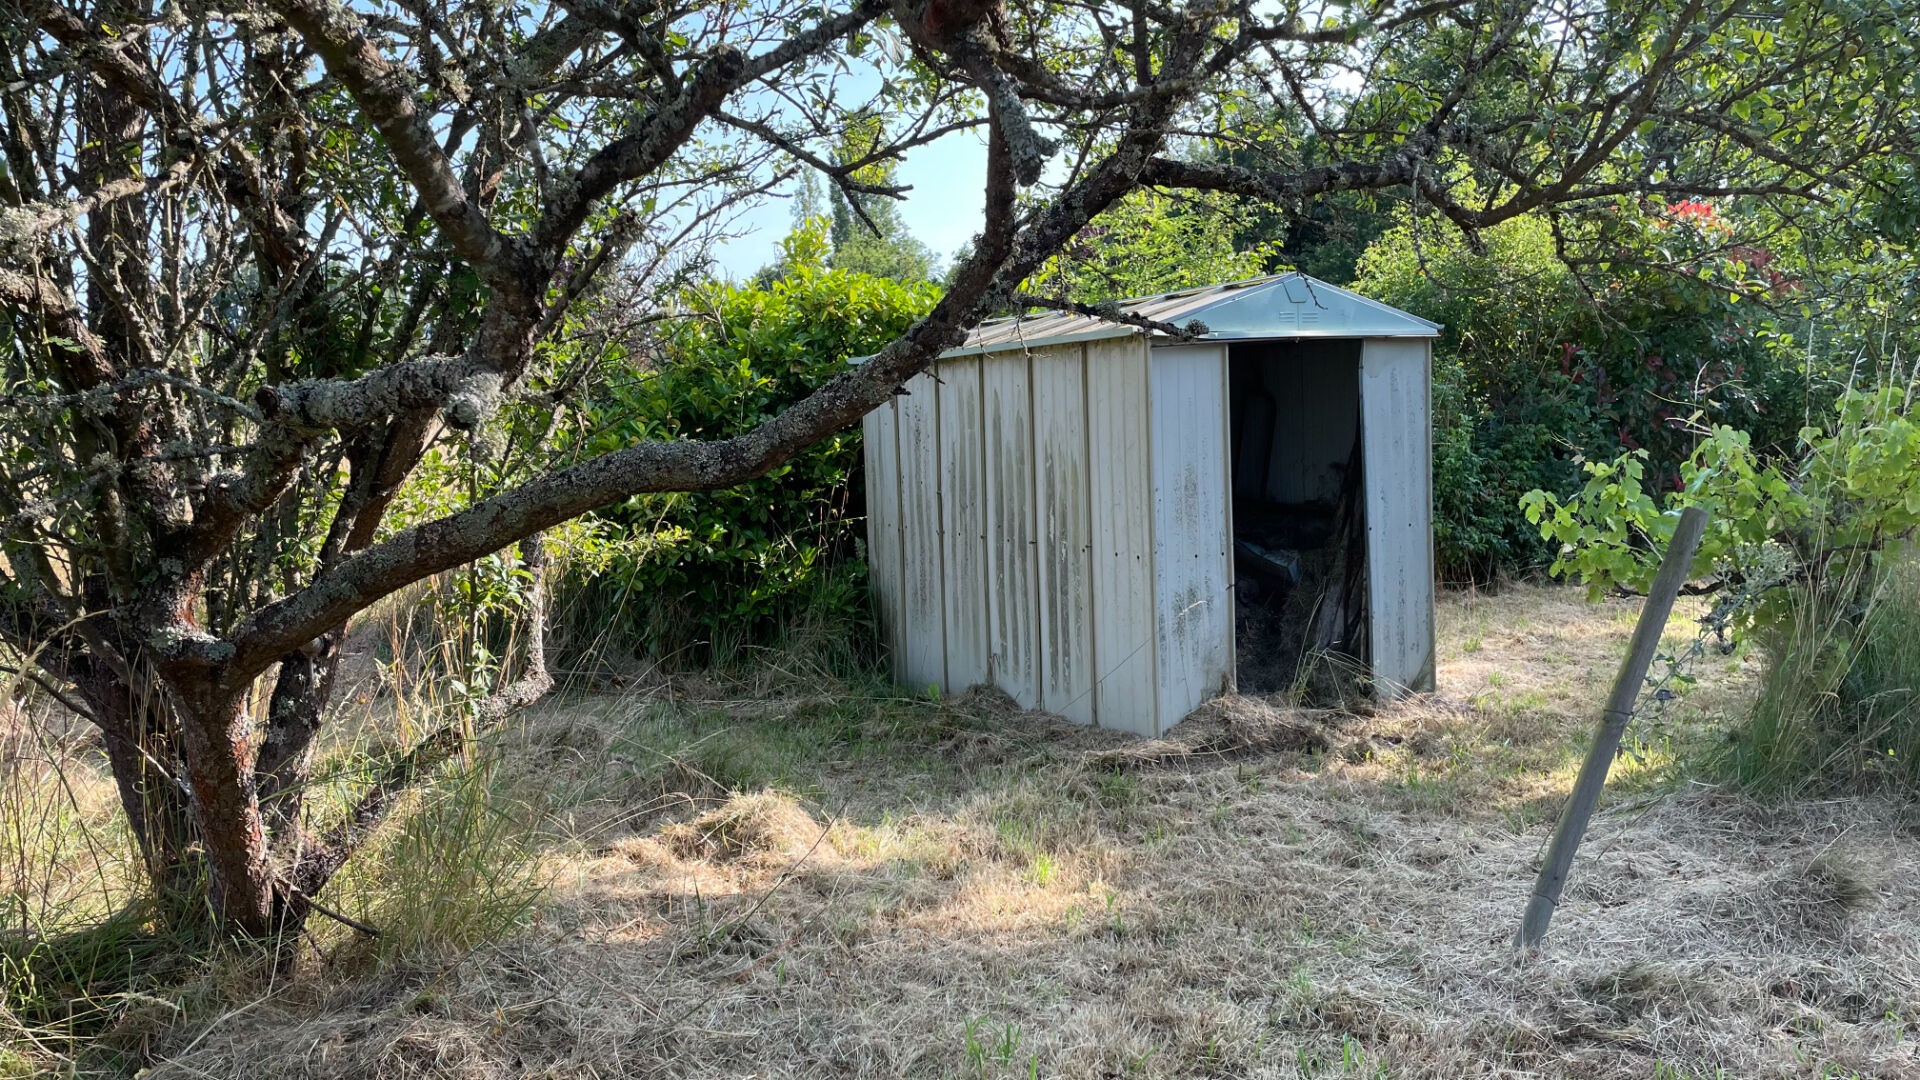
[868, 235]
[260, 259]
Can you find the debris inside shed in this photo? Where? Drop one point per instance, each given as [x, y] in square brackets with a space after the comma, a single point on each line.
[1298, 520]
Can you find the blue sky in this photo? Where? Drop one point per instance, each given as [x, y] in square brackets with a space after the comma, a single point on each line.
[944, 209]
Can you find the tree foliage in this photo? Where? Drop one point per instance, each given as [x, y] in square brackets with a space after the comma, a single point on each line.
[1154, 242]
[1813, 559]
[1854, 487]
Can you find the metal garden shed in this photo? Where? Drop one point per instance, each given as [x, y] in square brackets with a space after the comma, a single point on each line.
[1116, 524]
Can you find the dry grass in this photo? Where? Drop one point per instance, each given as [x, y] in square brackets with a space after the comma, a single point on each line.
[764, 882]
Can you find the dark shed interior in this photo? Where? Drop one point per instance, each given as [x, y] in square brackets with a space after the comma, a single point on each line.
[1298, 513]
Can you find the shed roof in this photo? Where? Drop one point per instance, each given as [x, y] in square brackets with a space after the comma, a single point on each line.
[1277, 307]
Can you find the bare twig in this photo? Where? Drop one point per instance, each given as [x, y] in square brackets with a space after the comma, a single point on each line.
[1191, 330]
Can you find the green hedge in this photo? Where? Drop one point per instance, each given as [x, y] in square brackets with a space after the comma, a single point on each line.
[687, 574]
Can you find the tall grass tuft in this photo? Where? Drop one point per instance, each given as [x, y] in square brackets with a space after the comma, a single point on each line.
[457, 869]
[1839, 705]
[86, 966]
[79, 949]
[66, 857]
[455, 864]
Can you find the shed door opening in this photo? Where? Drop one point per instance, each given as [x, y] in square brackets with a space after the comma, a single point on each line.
[1299, 529]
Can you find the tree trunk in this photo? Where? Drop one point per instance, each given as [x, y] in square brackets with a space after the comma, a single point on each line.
[301, 692]
[141, 732]
[226, 811]
[185, 779]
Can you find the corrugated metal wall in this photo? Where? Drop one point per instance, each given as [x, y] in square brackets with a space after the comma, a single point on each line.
[1398, 437]
[1012, 598]
[1013, 523]
[1064, 511]
[1125, 648]
[1192, 527]
[922, 640]
[963, 463]
[881, 452]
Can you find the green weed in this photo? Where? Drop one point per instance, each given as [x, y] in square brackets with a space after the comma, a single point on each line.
[1839, 703]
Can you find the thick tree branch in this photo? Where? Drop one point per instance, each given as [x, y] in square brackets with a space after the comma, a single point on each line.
[38, 296]
[980, 284]
[25, 226]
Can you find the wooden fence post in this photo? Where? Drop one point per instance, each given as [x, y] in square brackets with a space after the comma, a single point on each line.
[1613, 726]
